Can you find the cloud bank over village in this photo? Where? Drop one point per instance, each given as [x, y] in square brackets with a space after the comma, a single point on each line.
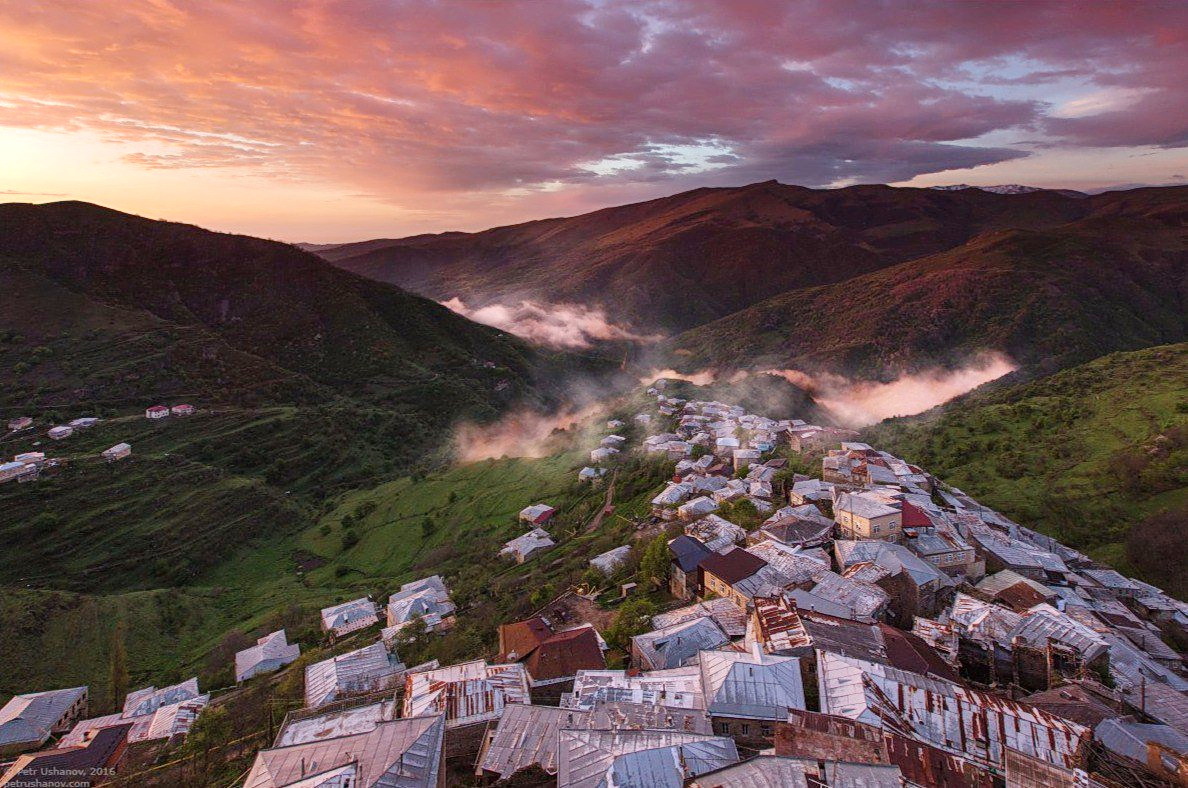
[858, 403]
[563, 326]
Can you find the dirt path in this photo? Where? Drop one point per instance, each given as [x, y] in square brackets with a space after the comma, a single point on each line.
[596, 521]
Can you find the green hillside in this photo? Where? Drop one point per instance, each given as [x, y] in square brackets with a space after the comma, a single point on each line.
[1096, 455]
[311, 384]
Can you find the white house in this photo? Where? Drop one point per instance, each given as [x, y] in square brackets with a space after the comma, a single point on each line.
[610, 560]
[270, 653]
[349, 616]
[427, 599]
[60, 432]
[182, 410]
[117, 452]
[524, 547]
[156, 412]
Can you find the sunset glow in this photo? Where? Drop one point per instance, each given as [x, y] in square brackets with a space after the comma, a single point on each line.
[329, 121]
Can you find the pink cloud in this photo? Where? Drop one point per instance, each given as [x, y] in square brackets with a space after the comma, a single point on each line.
[461, 104]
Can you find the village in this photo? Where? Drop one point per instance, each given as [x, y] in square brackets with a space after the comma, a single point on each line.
[863, 624]
[28, 466]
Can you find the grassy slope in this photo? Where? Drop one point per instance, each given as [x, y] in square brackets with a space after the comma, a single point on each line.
[1053, 453]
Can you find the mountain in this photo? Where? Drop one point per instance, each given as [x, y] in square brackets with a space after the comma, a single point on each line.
[677, 262]
[218, 305]
[1008, 188]
[309, 381]
[1114, 279]
[1095, 455]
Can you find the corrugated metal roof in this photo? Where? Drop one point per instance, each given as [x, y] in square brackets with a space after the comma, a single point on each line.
[731, 618]
[588, 758]
[404, 753]
[752, 685]
[29, 718]
[678, 687]
[778, 771]
[945, 715]
[675, 646]
[467, 693]
[363, 670]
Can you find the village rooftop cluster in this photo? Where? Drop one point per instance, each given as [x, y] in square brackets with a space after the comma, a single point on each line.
[875, 628]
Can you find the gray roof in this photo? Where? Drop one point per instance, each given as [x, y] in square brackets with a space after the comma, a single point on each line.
[363, 670]
[753, 685]
[862, 506]
[404, 753]
[590, 759]
[148, 700]
[1130, 738]
[889, 555]
[29, 719]
[270, 653]
[777, 771]
[527, 735]
[674, 646]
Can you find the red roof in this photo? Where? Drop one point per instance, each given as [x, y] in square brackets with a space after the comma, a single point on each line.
[914, 516]
[564, 654]
[520, 637]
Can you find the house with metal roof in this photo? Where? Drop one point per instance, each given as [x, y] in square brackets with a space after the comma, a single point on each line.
[716, 533]
[348, 617]
[28, 721]
[588, 759]
[524, 547]
[537, 513]
[674, 688]
[867, 515]
[979, 726]
[696, 508]
[368, 669]
[746, 692]
[1160, 748]
[469, 693]
[529, 736]
[426, 599]
[302, 726]
[684, 574]
[677, 645]
[611, 560]
[402, 752]
[552, 656]
[270, 653]
[48, 768]
[153, 713]
[729, 616]
[781, 771]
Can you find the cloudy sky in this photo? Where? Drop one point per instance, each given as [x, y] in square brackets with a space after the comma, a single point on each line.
[328, 120]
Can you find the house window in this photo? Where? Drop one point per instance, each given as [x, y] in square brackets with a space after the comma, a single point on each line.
[874, 529]
[765, 729]
[746, 729]
[723, 728]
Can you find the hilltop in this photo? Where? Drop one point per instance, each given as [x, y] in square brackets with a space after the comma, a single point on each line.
[1049, 298]
[731, 247]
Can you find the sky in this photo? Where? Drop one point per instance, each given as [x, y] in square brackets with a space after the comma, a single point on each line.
[338, 120]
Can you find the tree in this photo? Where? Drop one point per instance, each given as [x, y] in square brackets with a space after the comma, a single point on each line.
[655, 562]
[428, 527]
[119, 665]
[634, 617]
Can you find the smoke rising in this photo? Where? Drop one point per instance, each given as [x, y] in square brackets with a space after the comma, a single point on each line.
[857, 403]
[563, 326]
[522, 433]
